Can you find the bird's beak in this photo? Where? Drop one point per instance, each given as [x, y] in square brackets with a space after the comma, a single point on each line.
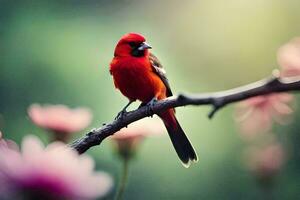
[144, 46]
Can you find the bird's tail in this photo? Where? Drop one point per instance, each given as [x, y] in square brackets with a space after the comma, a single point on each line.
[181, 143]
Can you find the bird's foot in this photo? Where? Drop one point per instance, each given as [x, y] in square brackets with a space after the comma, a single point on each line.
[121, 114]
[150, 106]
[142, 105]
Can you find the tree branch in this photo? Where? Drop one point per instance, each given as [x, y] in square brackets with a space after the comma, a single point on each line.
[218, 100]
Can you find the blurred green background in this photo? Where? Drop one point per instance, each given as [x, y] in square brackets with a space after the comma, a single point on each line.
[58, 52]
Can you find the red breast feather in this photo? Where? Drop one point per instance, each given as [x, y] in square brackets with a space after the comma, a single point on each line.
[134, 78]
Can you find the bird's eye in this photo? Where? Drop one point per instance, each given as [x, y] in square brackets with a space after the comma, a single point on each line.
[133, 44]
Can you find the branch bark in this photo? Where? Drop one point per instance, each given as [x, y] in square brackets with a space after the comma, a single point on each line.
[217, 100]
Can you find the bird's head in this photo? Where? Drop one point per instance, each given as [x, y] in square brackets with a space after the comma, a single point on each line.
[132, 44]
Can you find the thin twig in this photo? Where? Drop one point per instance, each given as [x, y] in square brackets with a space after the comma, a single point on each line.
[217, 100]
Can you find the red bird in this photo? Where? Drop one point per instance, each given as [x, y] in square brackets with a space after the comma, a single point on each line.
[138, 74]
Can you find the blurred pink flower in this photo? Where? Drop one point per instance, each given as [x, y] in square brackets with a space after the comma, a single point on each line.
[265, 162]
[60, 119]
[52, 173]
[128, 139]
[288, 57]
[255, 115]
[7, 143]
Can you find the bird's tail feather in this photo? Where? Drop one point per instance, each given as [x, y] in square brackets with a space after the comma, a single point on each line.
[181, 143]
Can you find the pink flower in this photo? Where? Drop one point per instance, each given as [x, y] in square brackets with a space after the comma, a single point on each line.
[128, 139]
[52, 173]
[60, 119]
[256, 114]
[7, 143]
[265, 162]
[288, 57]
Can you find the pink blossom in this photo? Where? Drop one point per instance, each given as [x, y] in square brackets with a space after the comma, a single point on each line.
[288, 57]
[52, 173]
[128, 139]
[265, 162]
[256, 115]
[7, 143]
[60, 119]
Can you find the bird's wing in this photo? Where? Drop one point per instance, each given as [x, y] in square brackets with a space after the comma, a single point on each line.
[159, 70]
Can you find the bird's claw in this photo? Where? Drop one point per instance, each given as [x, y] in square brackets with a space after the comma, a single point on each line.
[142, 105]
[150, 106]
[121, 114]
